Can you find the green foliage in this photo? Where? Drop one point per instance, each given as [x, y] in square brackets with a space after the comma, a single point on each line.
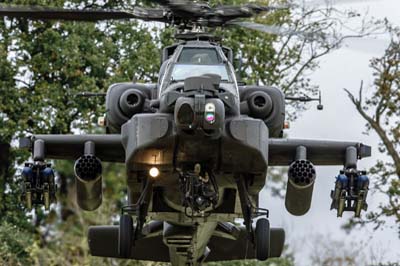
[16, 245]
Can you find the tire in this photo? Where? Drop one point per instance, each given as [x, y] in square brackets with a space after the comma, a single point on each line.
[125, 236]
[262, 239]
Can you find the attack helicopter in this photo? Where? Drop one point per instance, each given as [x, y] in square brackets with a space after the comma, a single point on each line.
[196, 146]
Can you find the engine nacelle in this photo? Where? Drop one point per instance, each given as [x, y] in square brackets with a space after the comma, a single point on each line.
[265, 103]
[131, 102]
[124, 100]
[258, 105]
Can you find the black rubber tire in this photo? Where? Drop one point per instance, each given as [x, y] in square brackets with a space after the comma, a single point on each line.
[262, 239]
[125, 236]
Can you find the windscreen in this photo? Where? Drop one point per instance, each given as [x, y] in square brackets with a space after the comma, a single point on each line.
[199, 56]
[183, 71]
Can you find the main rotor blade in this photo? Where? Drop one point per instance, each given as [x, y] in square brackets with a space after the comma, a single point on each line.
[333, 2]
[45, 13]
[356, 43]
[231, 13]
[270, 29]
[258, 8]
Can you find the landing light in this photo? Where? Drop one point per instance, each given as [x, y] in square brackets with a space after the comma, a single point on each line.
[154, 172]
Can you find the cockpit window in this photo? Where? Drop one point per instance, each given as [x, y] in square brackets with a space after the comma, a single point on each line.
[182, 71]
[199, 56]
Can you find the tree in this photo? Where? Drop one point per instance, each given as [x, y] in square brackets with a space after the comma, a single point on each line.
[381, 111]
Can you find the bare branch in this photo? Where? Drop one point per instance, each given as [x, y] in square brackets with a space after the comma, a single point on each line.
[374, 123]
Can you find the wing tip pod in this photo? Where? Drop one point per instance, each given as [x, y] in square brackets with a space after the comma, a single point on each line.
[364, 151]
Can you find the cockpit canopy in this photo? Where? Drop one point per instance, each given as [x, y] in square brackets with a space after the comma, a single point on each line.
[194, 61]
[198, 60]
[181, 72]
[199, 56]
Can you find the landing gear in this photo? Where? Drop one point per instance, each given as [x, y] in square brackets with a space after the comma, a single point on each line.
[125, 235]
[262, 239]
[128, 233]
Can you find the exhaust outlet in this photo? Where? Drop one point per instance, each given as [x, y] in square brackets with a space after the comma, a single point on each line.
[88, 170]
[258, 105]
[131, 102]
[300, 185]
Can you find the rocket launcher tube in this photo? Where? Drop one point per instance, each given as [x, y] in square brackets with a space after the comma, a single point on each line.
[88, 170]
[300, 185]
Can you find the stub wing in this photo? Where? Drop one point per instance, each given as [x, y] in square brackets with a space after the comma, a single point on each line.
[70, 147]
[282, 152]
[351, 186]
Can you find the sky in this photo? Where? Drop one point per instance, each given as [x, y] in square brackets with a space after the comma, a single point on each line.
[343, 68]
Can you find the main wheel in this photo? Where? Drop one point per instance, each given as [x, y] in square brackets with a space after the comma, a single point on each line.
[262, 239]
[125, 236]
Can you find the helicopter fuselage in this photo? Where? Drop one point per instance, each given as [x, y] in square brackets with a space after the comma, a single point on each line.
[202, 120]
[196, 147]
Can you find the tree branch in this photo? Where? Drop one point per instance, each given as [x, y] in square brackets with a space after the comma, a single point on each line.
[378, 129]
